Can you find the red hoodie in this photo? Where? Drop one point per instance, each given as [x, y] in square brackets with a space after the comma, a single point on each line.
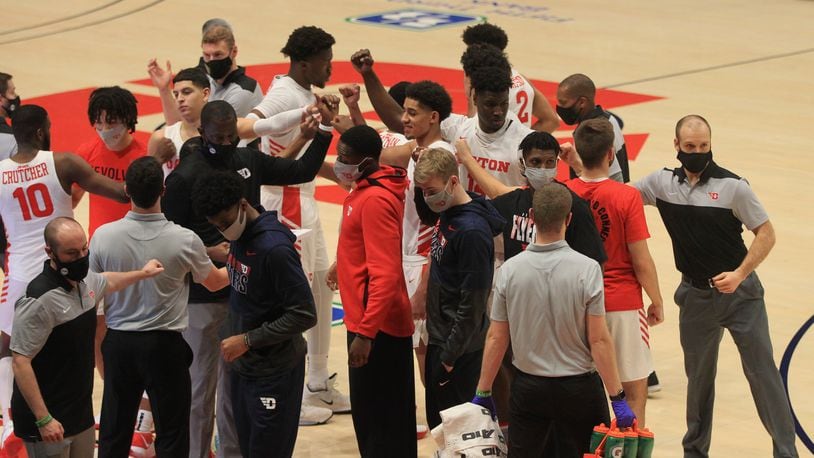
[368, 256]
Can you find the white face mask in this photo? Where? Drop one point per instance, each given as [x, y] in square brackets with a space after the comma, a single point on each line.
[235, 230]
[540, 176]
[439, 201]
[347, 173]
[112, 135]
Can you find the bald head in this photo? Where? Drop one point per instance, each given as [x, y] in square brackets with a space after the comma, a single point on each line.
[692, 123]
[578, 85]
[63, 233]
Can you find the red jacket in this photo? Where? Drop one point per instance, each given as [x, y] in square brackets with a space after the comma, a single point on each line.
[368, 256]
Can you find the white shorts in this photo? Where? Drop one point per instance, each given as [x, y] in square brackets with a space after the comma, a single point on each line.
[413, 266]
[631, 337]
[12, 290]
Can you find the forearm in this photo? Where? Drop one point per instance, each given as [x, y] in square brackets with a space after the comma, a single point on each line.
[294, 147]
[27, 383]
[604, 356]
[282, 171]
[294, 322]
[645, 270]
[388, 110]
[356, 115]
[759, 250]
[168, 106]
[117, 281]
[495, 348]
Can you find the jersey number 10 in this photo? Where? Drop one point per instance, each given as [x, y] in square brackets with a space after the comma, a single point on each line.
[34, 199]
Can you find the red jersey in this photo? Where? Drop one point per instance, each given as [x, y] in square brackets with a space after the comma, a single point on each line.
[619, 216]
[368, 256]
[113, 165]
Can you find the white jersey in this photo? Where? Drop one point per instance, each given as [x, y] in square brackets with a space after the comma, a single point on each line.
[392, 139]
[498, 152]
[521, 98]
[30, 196]
[173, 133]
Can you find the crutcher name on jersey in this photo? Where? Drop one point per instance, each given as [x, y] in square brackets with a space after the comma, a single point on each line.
[25, 173]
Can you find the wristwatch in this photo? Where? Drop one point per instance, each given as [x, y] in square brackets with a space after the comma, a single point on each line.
[618, 397]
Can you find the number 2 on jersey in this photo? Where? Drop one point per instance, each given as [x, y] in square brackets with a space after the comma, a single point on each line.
[34, 199]
[523, 100]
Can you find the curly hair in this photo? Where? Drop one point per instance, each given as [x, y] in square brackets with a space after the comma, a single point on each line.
[307, 41]
[431, 95]
[491, 79]
[486, 33]
[118, 104]
[217, 191]
[539, 140]
[483, 55]
[397, 91]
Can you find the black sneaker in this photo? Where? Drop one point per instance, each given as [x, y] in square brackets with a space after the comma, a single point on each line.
[653, 385]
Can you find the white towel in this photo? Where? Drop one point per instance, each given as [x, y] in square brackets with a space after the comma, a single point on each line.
[468, 430]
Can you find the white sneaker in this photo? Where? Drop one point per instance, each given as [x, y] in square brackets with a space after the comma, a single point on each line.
[327, 398]
[312, 416]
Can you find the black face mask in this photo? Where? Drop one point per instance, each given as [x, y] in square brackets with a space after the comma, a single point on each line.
[222, 152]
[219, 68]
[568, 115]
[12, 106]
[694, 162]
[75, 270]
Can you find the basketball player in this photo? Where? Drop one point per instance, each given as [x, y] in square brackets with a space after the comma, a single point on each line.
[191, 90]
[310, 52]
[525, 100]
[35, 188]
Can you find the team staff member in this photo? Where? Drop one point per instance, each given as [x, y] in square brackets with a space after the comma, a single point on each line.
[270, 306]
[619, 217]
[704, 207]
[560, 340]
[374, 296]
[217, 150]
[462, 258]
[52, 344]
[576, 103]
[9, 102]
[145, 322]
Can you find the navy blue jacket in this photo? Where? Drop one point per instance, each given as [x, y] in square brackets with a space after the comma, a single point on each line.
[462, 263]
[270, 298]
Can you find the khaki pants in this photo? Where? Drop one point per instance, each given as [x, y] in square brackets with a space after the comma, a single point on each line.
[79, 446]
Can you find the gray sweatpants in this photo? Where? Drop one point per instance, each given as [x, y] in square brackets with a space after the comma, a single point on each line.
[209, 375]
[703, 315]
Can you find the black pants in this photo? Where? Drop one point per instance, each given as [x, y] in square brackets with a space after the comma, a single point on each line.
[563, 409]
[156, 362]
[382, 395]
[267, 412]
[449, 389]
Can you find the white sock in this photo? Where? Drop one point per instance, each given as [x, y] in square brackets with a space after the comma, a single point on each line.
[317, 372]
[144, 419]
[6, 387]
[319, 337]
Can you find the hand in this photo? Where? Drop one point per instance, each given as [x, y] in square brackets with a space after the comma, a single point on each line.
[331, 279]
[219, 252]
[362, 61]
[569, 154]
[342, 123]
[311, 111]
[233, 347]
[309, 127]
[487, 402]
[165, 151]
[418, 304]
[447, 367]
[418, 151]
[624, 416]
[328, 108]
[152, 268]
[728, 282]
[359, 351]
[462, 151]
[52, 431]
[655, 314]
[350, 94]
[160, 77]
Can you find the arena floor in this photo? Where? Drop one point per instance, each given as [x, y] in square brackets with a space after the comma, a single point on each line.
[746, 66]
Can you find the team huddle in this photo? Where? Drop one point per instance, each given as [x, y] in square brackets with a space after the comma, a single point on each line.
[202, 293]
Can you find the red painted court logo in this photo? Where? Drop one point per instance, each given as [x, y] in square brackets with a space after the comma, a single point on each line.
[713, 195]
[70, 127]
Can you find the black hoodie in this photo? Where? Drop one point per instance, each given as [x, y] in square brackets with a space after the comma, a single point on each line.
[462, 264]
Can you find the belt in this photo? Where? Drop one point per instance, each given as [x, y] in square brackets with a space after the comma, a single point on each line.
[700, 284]
[560, 379]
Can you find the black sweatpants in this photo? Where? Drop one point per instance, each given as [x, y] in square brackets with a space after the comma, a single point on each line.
[156, 362]
[267, 412]
[545, 407]
[449, 389]
[382, 396]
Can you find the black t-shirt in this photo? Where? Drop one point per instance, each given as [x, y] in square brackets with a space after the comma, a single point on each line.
[581, 233]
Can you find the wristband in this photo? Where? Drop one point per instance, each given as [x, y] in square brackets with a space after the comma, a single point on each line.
[620, 396]
[483, 394]
[44, 421]
[246, 340]
[325, 128]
